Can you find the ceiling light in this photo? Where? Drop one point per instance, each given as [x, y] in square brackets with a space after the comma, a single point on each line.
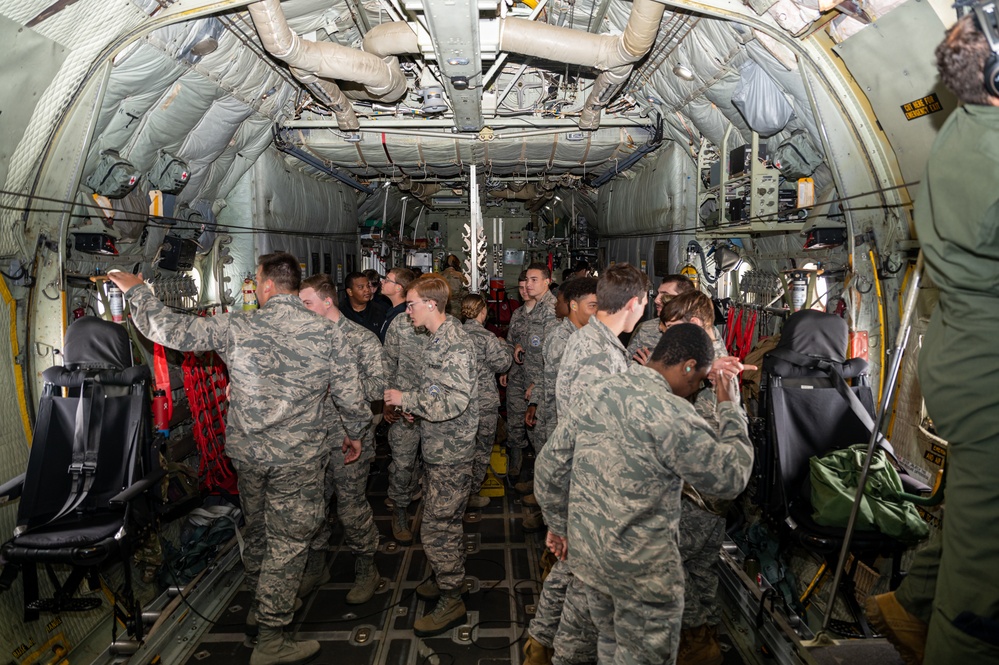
[207, 45]
[683, 72]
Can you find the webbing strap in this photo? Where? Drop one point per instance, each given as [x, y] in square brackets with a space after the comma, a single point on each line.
[86, 444]
[161, 376]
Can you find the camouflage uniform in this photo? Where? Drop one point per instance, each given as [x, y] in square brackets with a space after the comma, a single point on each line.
[556, 337]
[404, 347]
[446, 406]
[702, 531]
[492, 357]
[516, 384]
[562, 620]
[538, 320]
[628, 446]
[646, 336]
[282, 361]
[349, 482]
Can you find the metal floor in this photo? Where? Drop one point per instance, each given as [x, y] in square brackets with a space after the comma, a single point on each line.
[502, 564]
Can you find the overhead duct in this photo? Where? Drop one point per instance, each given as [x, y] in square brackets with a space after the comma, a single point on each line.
[392, 38]
[614, 55]
[422, 191]
[527, 192]
[382, 79]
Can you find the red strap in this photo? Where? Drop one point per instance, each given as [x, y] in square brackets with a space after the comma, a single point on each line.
[161, 374]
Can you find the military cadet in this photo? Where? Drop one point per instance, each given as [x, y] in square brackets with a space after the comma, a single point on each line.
[581, 294]
[359, 305]
[591, 352]
[702, 516]
[953, 586]
[647, 333]
[516, 386]
[444, 402]
[538, 320]
[394, 288]
[492, 357]
[283, 361]
[457, 282]
[404, 346]
[629, 442]
[348, 481]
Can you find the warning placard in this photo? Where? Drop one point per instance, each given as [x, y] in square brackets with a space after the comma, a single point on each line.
[920, 107]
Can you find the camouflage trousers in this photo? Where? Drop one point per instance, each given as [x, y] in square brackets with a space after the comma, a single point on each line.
[701, 537]
[546, 619]
[404, 442]
[516, 409]
[283, 507]
[485, 436]
[576, 638]
[349, 483]
[634, 632]
[445, 497]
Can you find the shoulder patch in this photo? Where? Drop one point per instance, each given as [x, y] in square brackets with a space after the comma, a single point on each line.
[535, 340]
[434, 390]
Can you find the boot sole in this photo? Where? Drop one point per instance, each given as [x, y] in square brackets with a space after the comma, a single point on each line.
[439, 631]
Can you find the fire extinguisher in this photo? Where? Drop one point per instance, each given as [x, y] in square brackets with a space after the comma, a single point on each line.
[249, 294]
[798, 284]
[116, 301]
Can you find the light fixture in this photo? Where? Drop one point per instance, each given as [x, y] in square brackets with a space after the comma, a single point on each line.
[207, 45]
[683, 72]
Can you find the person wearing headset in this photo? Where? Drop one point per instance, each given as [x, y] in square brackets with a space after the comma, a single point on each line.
[949, 602]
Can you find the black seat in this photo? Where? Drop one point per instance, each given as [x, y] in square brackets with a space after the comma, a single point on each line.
[84, 500]
[808, 411]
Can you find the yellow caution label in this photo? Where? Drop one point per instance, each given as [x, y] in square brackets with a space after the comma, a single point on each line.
[923, 106]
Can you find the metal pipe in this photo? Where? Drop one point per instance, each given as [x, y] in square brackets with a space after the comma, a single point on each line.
[378, 125]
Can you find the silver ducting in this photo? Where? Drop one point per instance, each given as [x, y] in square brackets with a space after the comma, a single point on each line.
[382, 79]
[614, 55]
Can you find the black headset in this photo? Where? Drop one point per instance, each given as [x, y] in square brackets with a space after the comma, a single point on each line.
[988, 23]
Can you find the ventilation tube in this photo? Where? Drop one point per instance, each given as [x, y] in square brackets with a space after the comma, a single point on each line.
[614, 55]
[382, 79]
[528, 192]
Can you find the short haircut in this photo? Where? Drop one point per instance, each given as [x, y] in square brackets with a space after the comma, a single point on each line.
[683, 283]
[522, 277]
[961, 58]
[578, 288]
[685, 307]
[432, 287]
[471, 306]
[682, 343]
[322, 284]
[619, 284]
[403, 276]
[372, 275]
[581, 264]
[537, 265]
[566, 274]
[281, 268]
[348, 281]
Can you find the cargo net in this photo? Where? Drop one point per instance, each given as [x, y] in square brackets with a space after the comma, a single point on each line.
[206, 383]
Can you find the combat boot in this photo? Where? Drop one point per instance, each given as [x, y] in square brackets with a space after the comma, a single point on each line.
[530, 500]
[366, 581]
[400, 526]
[430, 592]
[317, 573]
[904, 630]
[533, 522]
[536, 653]
[449, 613]
[276, 648]
[699, 646]
[526, 487]
[252, 629]
[477, 501]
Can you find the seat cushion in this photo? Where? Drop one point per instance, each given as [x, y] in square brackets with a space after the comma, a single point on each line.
[71, 531]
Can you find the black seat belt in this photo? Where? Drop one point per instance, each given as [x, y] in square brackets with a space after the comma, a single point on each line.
[86, 444]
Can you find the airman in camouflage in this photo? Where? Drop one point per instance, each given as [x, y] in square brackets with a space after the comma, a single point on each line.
[348, 482]
[647, 333]
[592, 352]
[404, 347]
[516, 385]
[538, 320]
[629, 443]
[282, 361]
[492, 357]
[445, 404]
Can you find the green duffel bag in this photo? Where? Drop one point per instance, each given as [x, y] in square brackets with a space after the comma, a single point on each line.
[834, 479]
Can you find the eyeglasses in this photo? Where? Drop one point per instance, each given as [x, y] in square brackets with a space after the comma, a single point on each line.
[391, 281]
[410, 304]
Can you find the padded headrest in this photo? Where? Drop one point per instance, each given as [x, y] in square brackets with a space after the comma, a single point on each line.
[93, 343]
[74, 378]
[816, 334]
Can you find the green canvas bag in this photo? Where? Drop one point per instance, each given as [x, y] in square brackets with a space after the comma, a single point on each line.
[834, 479]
